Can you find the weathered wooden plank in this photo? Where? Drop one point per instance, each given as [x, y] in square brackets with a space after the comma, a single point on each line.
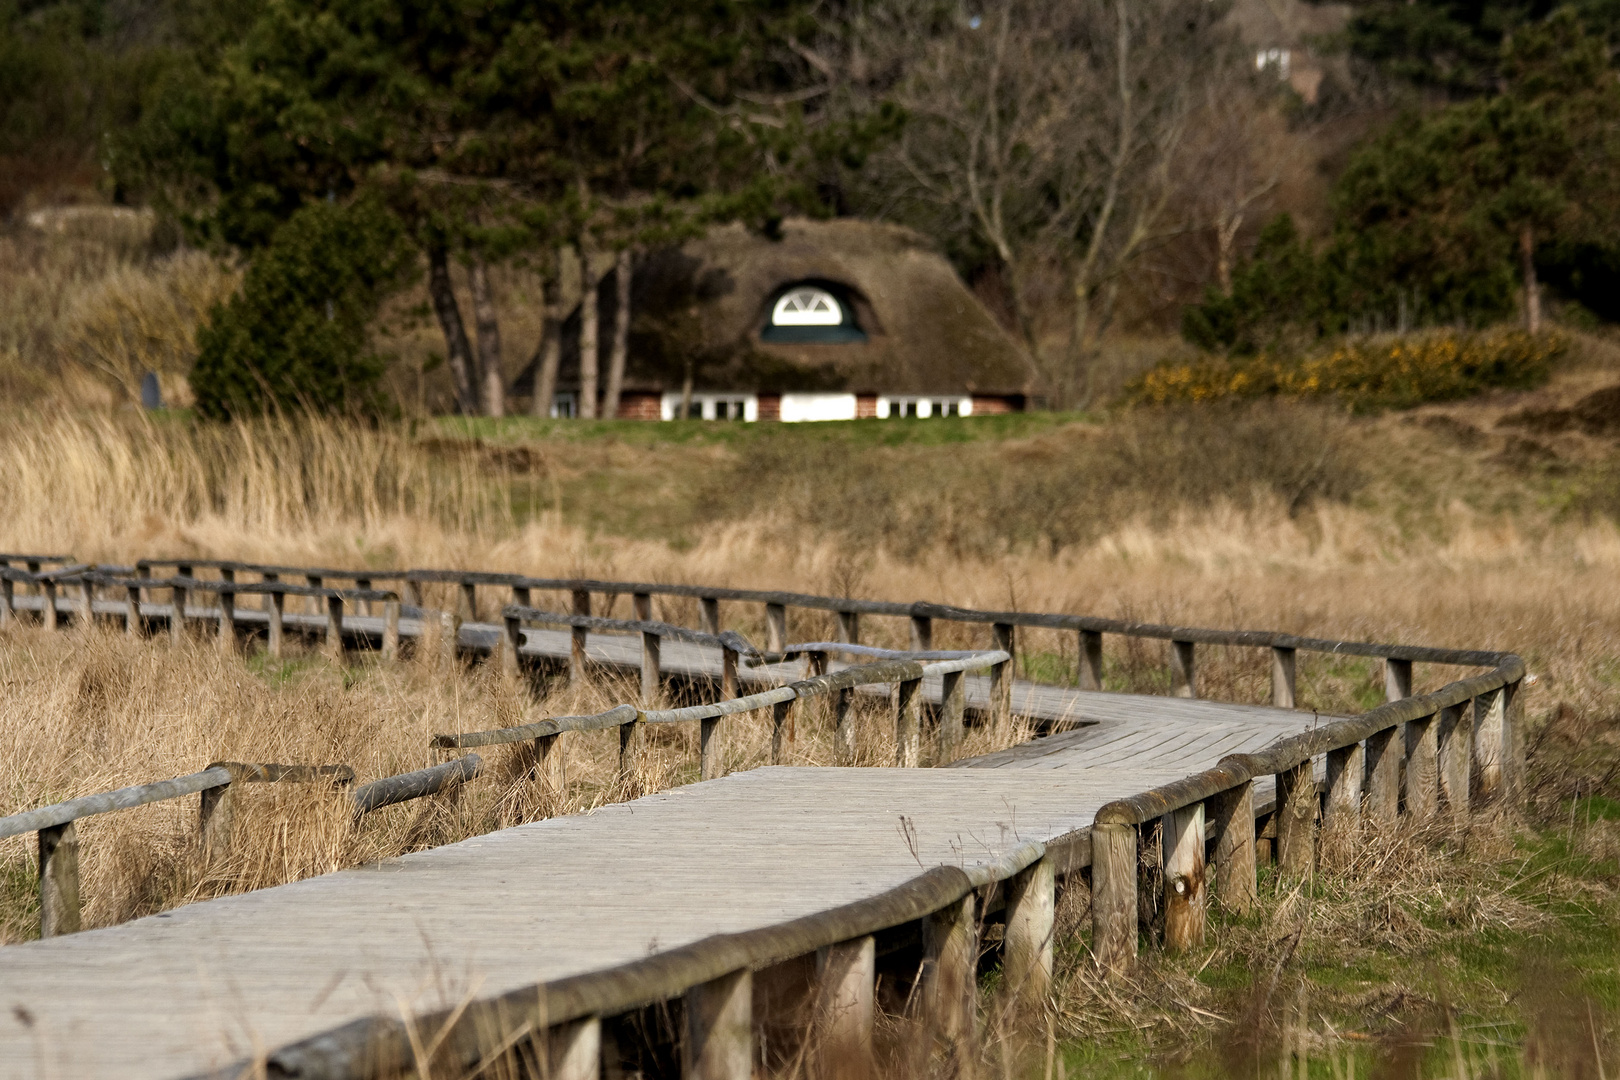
[841, 1039]
[1028, 939]
[719, 1043]
[1231, 817]
[1113, 897]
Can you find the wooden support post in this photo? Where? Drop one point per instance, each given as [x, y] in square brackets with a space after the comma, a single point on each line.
[907, 728]
[630, 740]
[449, 640]
[58, 880]
[952, 707]
[844, 726]
[781, 729]
[1183, 673]
[1455, 725]
[922, 633]
[87, 605]
[177, 614]
[314, 581]
[1231, 813]
[1031, 922]
[390, 639]
[641, 604]
[1512, 741]
[276, 603]
[334, 629]
[710, 749]
[775, 627]
[1184, 890]
[1296, 822]
[1341, 816]
[719, 1042]
[1002, 674]
[469, 600]
[550, 766]
[362, 607]
[216, 815]
[47, 611]
[1282, 677]
[650, 671]
[522, 597]
[574, 1050]
[849, 627]
[709, 615]
[576, 654]
[227, 621]
[1397, 679]
[1091, 660]
[846, 1000]
[1383, 776]
[133, 624]
[1490, 738]
[8, 602]
[511, 637]
[728, 673]
[950, 970]
[1422, 769]
[1113, 897]
[410, 591]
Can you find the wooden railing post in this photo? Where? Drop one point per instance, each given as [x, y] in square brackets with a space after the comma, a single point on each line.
[511, 636]
[576, 654]
[907, 728]
[922, 633]
[630, 740]
[719, 1042]
[775, 627]
[550, 766]
[1002, 674]
[574, 1050]
[216, 815]
[952, 708]
[1231, 814]
[522, 597]
[650, 669]
[1027, 943]
[87, 604]
[1113, 897]
[728, 673]
[1183, 673]
[133, 624]
[849, 627]
[47, 611]
[410, 591]
[950, 977]
[1282, 677]
[709, 614]
[177, 616]
[1184, 891]
[1422, 769]
[781, 728]
[1341, 820]
[641, 604]
[1397, 679]
[390, 638]
[1513, 740]
[1296, 821]
[844, 726]
[275, 610]
[362, 607]
[1490, 728]
[334, 628]
[710, 749]
[1454, 758]
[1091, 660]
[1383, 776]
[8, 602]
[469, 599]
[58, 880]
[846, 999]
[314, 581]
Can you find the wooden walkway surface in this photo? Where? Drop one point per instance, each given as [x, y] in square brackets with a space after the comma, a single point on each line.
[203, 986]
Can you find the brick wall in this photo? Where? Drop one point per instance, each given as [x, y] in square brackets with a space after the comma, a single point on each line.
[634, 405]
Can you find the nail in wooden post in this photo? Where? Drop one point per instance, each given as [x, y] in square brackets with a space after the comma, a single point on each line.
[1489, 739]
[952, 707]
[334, 627]
[1231, 813]
[1031, 921]
[47, 612]
[1113, 897]
[1382, 803]
[1296, 821]
[58, 880]
[907, 728]
[849, 627]
[1422, 769]
[950, 976]
[576, 654]
[922, 633]
[630, 739]
[390, 640]
[719, 1042]
[846, 999]
[1341, 814]
[781, 728]
[511, 635]
[1091, 660]
[216, 814]
[709, 615]
[574, 1050]
[844, 726]
[1183, 674]
[469, 600]
[1455, 757]
[728, 673]
[1183, 862]
[177, 614]
[775, 627]
[650, 673]
[1002, 674]
[641, 603]
[1397, 679]
[1282, 677]
[227, 621]
[133, 624]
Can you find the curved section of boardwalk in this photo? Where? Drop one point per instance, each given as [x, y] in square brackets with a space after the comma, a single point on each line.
[204, 986]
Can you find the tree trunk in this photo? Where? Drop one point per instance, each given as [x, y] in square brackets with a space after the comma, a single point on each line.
[1532, 288]
[588, 353]
[491, 377]
[620, 351]
[457, 351]
[686, 391]
[550, 355]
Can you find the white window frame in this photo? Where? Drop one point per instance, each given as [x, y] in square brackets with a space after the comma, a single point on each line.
[780, 316]
[925, 405]
[706, 400]
[567, 399]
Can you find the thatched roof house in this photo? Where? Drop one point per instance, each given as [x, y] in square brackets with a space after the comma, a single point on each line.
[831, 320]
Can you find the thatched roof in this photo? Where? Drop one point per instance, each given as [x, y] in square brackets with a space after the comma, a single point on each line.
[708, 301]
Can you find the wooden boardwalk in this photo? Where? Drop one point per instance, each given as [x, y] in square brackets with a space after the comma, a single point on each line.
[209, 985]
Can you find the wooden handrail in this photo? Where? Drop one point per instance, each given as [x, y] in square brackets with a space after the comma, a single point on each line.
[414, 785]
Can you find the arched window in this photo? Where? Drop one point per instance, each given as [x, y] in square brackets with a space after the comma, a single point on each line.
[807, 305]
[811, 313]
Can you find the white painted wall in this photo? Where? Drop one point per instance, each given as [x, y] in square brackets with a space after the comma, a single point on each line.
[797, 408]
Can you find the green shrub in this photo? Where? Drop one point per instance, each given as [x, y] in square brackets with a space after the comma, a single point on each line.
[1393, 374]
[296, 335]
